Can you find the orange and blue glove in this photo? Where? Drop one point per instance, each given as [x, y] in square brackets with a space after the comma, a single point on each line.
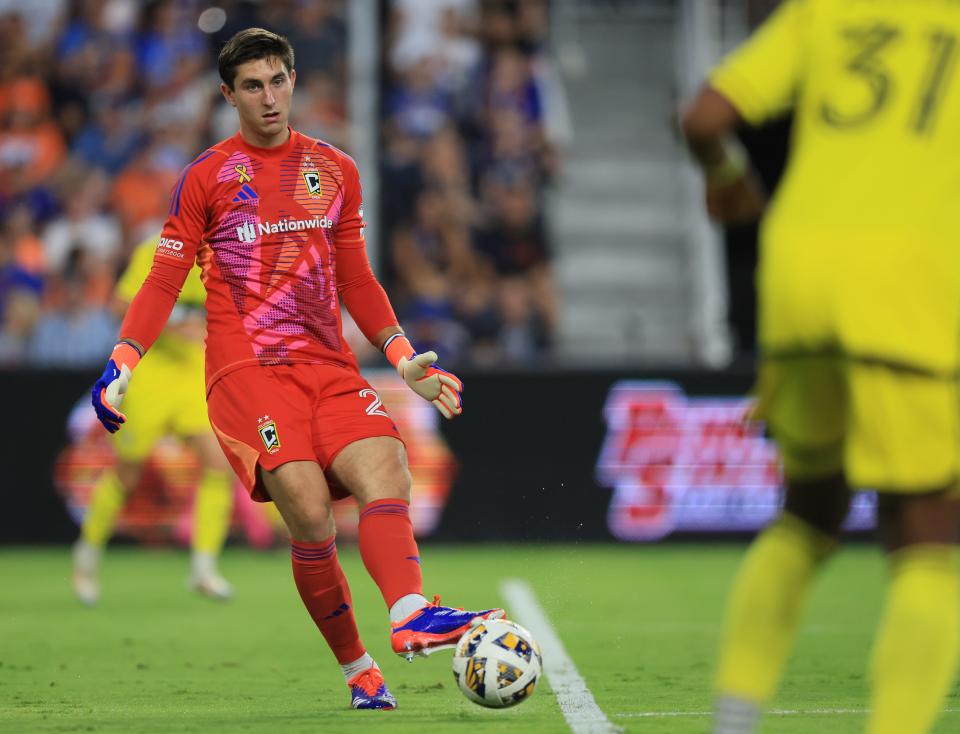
[108, 391]
[424, 377]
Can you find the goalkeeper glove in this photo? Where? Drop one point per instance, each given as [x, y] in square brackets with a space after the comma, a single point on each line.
[422, 375]
[109, 390]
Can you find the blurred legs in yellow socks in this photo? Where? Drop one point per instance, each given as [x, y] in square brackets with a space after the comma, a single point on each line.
[916, 648]
[762, 617]
[106, 501]
[213, 507]
[212, 511]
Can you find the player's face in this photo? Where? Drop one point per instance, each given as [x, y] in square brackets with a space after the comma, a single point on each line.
[262, 93]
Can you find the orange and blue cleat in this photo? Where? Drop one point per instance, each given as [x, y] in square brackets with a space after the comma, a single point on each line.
[433, 628]
[369, 691]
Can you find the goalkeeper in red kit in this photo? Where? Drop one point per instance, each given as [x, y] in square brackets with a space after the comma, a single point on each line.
[274, 220]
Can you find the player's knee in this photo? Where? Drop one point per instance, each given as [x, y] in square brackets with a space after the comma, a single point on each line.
[310, 524]
[392, 481]
[396, 488]
[129, 473]
[914, 519]
[821, 503]
[374, 469]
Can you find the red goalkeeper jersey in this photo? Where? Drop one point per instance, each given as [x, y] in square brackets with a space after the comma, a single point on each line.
[278, 235]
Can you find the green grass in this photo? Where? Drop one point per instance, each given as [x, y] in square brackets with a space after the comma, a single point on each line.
[639, 622]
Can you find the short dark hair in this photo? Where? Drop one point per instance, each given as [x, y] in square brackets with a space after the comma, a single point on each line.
[251, 44]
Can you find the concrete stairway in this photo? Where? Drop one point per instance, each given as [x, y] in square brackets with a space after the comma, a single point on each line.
[622, 263]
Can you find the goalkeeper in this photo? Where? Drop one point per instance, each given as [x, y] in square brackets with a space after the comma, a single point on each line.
[274, 219]
[172, 402]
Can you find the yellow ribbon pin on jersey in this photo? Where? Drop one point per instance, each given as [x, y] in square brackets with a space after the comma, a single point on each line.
[242, 171]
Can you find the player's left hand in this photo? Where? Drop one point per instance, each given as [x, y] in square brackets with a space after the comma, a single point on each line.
[425, 378]
[738, 202]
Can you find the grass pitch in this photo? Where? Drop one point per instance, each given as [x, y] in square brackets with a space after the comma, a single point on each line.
[640, 623]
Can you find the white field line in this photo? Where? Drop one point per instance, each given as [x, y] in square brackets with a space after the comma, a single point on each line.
[576, 702]
[772, 712]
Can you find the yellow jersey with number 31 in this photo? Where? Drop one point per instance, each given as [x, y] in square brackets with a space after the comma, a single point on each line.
[870, 200]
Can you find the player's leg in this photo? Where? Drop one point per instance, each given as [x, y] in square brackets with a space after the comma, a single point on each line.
[375, 471]
[263, 418]
[148, 420]
[903, 441]
[803, 400]
[768, 596]
[917, 644]
[916, 648]
[181, 378]
[106, 501]
[212, 510]
[300, 492]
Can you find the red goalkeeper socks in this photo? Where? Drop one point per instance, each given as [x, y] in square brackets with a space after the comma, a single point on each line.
[326, 595]
[389, 550]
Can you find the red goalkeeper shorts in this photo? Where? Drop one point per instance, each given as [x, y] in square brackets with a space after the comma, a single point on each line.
[267, 416]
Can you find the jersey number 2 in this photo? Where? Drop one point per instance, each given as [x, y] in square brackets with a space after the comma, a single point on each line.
[870, 42]
[375, 404]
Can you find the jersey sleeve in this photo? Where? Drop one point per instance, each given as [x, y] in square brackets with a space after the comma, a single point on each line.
[760, 78]
[362, 293]
[174, 256]
[350, 227]
[359, 288]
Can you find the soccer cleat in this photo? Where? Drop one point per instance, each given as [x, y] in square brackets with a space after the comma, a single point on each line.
[86, 579]
[433, 628]
[369, 691]
[211, 585]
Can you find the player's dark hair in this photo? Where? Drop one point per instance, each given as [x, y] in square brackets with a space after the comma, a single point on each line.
[251, 44]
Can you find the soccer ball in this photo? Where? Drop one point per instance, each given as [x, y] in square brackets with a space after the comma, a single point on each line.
[497, 663]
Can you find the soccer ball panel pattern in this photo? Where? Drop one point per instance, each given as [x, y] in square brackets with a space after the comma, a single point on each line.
[497, 663]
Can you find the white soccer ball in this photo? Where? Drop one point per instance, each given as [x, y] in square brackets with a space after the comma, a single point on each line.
[497, 663]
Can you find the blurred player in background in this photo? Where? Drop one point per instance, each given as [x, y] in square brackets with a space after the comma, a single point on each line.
[859, 288]
[275, 221]
[170, 401]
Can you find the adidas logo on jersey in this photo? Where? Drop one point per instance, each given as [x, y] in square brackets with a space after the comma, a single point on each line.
[246, 194]
[248, 233]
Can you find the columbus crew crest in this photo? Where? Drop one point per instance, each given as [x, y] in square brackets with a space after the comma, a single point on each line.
[268, 433]
[312, 180]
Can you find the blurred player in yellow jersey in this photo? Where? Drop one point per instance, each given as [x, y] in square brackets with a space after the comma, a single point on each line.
[174, 372]
[859, 329]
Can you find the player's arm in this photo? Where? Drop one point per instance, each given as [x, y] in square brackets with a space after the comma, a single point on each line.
[758, 81]
[144, 320]
[367, 302]
[733, 191]
[151, 306]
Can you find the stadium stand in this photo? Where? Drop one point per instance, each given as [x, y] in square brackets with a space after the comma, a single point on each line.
[103, 103]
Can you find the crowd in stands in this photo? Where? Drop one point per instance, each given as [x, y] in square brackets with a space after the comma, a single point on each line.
[468, 153]
[103, 102]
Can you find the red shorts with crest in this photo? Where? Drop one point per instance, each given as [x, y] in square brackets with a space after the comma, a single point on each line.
[267, 416]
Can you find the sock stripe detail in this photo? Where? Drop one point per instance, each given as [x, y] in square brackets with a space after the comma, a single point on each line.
[306, 553]
[376, 513]
[322, 545]
[400, 510]
[312, 553]
[374, 508]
